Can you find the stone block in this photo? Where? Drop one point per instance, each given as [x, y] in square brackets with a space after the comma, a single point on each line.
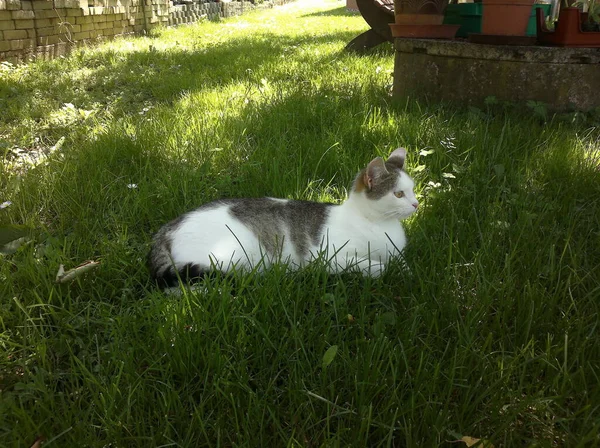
[74, 12]
[23, 24]
[15, 34]
[48, 31]
[4, 45]
[41, 5]
[45, 14]
[22, 15]
[21, 44]
[459, 72]
[81, 35]
[87, 26]
[5, 15]
[44, 23]
[2, 6]
[13, 5]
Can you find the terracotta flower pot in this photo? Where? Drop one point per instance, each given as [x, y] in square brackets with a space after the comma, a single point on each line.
[506, 17]
[568, 31]
[419, 19]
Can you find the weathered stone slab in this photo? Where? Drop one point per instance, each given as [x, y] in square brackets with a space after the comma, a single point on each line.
[466, 73]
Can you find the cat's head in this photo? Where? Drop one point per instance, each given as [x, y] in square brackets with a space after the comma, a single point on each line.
[386, 187]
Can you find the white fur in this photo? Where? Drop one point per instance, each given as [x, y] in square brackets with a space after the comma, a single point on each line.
[360, 234]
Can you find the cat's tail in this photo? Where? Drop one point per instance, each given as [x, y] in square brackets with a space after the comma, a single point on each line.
[162, 268]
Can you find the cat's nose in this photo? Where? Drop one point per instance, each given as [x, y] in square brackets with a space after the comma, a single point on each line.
[415, 204]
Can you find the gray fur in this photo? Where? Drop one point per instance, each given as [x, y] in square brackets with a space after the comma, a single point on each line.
[385, 181]
[269, 219]
[159, 259]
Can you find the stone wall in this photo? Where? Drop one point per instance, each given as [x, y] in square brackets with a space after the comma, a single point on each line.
[464, 73]
[51, 28]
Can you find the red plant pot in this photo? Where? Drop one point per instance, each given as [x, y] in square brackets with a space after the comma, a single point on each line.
[426, 26]
[568, 32]
[506, 17]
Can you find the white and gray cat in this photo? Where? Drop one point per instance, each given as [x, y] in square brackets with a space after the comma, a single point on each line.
[361, 234]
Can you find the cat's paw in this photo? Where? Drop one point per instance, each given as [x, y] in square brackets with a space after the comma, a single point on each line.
[374, 269]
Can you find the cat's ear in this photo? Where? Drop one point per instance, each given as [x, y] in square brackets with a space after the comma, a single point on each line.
[375, 169]
[397, 157]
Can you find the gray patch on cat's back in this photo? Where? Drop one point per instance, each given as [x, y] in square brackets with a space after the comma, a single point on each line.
[385, 183]
[271, 219]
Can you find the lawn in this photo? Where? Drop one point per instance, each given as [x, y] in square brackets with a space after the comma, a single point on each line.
[493, 333]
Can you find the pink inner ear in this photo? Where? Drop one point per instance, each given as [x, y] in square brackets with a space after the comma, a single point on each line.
[368, 181]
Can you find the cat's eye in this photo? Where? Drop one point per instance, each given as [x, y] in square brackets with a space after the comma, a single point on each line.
[399, 194]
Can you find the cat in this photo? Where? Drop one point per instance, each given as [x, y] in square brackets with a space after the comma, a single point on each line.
[362, 233]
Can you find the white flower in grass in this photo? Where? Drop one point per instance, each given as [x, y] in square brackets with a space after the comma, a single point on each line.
[378, 70]
[5, 204]
[132, 186]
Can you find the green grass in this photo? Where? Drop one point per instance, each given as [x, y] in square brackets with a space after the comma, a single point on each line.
[493, 333]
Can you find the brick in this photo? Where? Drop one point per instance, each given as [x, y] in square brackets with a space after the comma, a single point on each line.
[60, 4]
[13, 4]
[23, 24]
[43, 23]
[22, 15]
[15, 34]
[4, 46]
[26, 5]
[2, 6]
[49, 31]
[87, 26]
[31, 34]
[21, 44]
[74, 12]
[48, 40]
[7, 25]
[104, 25]
[41, 5]
[84, 19]
[100, 18]
[81, 35]
[45, 14]
[5, 15]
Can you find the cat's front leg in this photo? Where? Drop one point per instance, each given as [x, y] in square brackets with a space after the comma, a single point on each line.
[366, 266]
[371, 268]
